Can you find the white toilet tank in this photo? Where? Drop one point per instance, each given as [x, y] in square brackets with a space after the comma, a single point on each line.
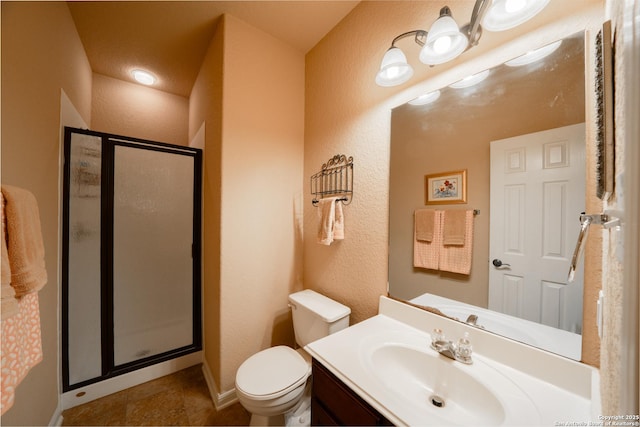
[316, 316]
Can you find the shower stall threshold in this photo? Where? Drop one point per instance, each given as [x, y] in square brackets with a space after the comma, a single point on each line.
[109, 386]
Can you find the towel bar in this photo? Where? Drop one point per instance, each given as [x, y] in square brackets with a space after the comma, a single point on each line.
[334, 179]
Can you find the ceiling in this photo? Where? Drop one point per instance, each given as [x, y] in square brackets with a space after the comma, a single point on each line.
[170, 38]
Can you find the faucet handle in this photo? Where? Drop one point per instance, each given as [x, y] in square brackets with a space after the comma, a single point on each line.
[464, 348]
[437, 335]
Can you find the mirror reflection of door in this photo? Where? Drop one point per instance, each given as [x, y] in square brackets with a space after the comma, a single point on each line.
[537, 195]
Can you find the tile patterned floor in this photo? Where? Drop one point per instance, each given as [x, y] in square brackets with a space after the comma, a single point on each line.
[180, 399]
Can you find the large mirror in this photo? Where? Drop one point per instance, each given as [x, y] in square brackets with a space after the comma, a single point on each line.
[519, 134]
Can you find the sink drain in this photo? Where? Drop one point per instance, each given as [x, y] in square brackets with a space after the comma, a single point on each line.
[437, 401]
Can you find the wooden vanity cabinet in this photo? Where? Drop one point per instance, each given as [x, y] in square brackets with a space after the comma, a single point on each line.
[335, 404]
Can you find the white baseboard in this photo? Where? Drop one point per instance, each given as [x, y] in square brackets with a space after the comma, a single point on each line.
[95, 391]
[220, 400]
[56, 418]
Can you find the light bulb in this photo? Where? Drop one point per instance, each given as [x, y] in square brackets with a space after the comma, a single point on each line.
[144, 77]
[442, 44]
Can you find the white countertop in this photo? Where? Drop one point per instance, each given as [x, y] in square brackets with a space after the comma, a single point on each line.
[548, 389]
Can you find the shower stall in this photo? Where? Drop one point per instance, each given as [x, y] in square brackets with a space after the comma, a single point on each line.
[131, 255]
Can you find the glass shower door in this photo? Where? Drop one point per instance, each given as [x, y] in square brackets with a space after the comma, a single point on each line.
[131, 255]
[152, 252]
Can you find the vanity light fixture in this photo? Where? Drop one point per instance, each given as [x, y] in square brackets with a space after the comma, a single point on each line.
[534, 55]
[446, 40]
[143, 77]
[425, 99]
[506, 14]
[471, 80]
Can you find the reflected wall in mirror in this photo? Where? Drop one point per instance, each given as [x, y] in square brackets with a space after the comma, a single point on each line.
[455, 132]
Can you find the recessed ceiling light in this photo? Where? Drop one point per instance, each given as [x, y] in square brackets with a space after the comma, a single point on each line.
[144, 77]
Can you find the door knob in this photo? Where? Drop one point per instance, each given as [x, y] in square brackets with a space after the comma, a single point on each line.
[498, 263]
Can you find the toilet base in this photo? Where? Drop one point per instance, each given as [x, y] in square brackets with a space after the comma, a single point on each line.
[299, 416]
[260, 420]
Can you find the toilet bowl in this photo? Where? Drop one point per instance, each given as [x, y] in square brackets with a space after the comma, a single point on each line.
[272, 381]
[276, 382]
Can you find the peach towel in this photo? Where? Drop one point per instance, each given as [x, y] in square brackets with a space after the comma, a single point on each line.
[327, 212]
[21, 347]
[424, 223]
[8, 296]
[457, 259]
[427, 254]
[338, 225]
[454, 228]
[24, 241]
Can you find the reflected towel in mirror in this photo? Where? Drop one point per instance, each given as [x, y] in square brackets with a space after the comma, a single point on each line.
[427, 254]
[457, 259]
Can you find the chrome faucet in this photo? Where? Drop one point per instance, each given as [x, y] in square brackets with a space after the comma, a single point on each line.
[460, 352]
[473, 321]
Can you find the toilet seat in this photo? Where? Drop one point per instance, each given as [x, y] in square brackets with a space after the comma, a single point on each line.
[271, 373]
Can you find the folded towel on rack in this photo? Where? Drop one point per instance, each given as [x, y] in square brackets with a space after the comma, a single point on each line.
[457, 258]
[25, 247]
[327, 212]
[454, 227]
[338, 225]
[427, 254]
[424, 224]
[8, 295]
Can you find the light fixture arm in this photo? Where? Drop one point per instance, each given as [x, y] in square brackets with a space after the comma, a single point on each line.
[473, 29]
[420, 37]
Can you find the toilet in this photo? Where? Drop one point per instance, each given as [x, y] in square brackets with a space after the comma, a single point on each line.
[274, 384]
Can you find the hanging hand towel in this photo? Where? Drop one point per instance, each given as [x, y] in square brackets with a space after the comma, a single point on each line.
[327, 212]
[454, 227]
[424, 222]
[24, 241]
[457, 258]
[9, 302]
[338, 226]
[21, 347]
[427, 254]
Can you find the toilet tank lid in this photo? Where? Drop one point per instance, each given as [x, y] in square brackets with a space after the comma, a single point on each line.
[326, 308]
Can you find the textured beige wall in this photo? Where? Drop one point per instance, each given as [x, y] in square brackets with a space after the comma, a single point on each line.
[262, 153]
[253, 180]
[347, 113]
[41, 53]
[137, 111]
[205, 106]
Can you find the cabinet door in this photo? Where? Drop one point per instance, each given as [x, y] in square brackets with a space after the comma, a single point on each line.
[336, 404]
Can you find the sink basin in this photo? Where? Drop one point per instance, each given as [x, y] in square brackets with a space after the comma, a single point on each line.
[437, 384]
[445, 392]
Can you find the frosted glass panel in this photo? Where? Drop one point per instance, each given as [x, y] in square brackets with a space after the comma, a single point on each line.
[152, 252]
[84, 346]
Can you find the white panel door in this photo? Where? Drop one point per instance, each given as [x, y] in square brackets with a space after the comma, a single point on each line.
[537, 195]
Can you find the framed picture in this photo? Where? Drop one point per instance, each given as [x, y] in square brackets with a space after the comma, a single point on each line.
[446, 188]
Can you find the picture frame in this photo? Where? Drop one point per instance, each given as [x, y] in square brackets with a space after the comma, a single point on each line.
[446, 188]
[605, 163]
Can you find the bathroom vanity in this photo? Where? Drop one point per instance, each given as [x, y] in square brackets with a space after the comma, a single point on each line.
[382, 371]
[333, 403]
